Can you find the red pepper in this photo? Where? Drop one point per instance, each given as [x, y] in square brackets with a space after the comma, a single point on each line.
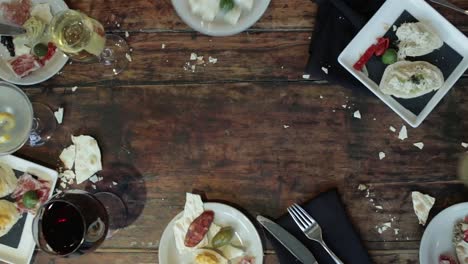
[51, 48]
[377, 49]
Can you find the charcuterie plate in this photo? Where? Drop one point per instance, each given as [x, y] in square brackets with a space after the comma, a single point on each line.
[225, 216]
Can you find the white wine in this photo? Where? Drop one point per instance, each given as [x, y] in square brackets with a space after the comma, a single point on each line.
[78, 35]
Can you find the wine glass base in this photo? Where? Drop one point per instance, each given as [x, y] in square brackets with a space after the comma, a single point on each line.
[44, 125]
[115, 56]
[116, 210]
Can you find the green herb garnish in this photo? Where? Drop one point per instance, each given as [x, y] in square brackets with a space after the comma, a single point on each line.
[226, 5]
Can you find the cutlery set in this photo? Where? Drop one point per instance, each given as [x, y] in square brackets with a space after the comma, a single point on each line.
[308, 226]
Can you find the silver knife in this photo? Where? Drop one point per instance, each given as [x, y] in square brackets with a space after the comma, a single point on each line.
[11, 30]
[288, 241]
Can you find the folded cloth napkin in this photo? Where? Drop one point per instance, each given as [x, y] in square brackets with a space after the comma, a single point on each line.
[338, 233]
[337, 22]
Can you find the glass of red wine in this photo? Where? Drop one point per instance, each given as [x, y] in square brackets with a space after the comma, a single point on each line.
[72, 223]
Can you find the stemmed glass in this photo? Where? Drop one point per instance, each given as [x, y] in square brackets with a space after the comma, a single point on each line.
[22, 121]
[76, 222]
[83, 39]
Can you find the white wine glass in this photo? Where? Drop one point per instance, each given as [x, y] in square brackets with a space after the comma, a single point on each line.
[83, 39]
[21, 121]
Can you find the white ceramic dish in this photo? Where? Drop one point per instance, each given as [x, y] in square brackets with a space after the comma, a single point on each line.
[224, 215]
[25, 250]
[437, 238]
[52, 67]
[378, 26]
[218, 27]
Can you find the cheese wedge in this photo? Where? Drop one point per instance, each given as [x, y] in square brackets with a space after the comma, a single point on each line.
[422, 204]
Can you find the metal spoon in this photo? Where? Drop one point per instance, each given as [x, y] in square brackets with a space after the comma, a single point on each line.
[450, 5]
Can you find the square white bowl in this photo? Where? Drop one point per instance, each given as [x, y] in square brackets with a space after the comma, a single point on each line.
[379, 24]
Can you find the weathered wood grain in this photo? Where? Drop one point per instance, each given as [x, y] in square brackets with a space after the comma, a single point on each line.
[275, 56]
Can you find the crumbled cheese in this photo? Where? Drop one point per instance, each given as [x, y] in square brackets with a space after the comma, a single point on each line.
[344, 106]
[325, 70]
[392, 129]
[129, 58]
[419, 145]
[306, 76]
[382, 155]
[94, 179]
[357, 114]
[63, 185]
[285, 126]
[193, 56]
[403, 133]
[59, 115]
[212, 60]
[362, 187]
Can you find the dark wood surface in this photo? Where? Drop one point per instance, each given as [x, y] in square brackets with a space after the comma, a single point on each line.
[247, 130]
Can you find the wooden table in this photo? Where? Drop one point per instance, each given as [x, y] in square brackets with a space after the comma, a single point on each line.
[248, 130]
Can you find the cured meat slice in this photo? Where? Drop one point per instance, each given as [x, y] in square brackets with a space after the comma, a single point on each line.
[198, 228]
[16, 11]
[51, 48]
[28, 183]
[24, 65]
[246, 260]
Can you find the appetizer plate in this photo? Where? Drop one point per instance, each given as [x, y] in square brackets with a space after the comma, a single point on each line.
[52, 67]
[23, 252]
[219, 27]
[437, 238]
[224, 215]
[452, 58]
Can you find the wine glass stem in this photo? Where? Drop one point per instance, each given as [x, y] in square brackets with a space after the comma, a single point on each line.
[35, 137]
[107, 56]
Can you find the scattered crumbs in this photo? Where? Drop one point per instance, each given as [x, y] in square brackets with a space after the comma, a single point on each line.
[94, 186]
[100, 178]
[133, 243]
[163, 46]
[325, 70]
[131, 49]
[344, 106]
[371, 200]
[118, 25]
[193, 67]
[59, 115]
[379, 207]
[129, 58]
[285, 126]
[375, 119]
[94, 179]
[114, 183]
[63, 185]
[333, 110]
[212, 60]
[382, 155]
[396, 230]
[388, 224]
[70, 181]
[367, 193]
[394, 28]
[362, 187]
[127, 34]
[357, 114]
[419, 145]
[74, 88]
[392, 129]
[306, 76]
[465, 145]
[193, 56]
[321, 97]
[403, 133]
[309, 38]
[282, 67]
[200, 58]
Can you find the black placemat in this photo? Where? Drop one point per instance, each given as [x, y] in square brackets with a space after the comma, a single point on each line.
[12, 239]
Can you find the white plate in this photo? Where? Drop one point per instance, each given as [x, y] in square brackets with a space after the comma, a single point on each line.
[224, 215]
[437, 238]
[52, 67]
[218, 27]
[25, 250]
[377, 27]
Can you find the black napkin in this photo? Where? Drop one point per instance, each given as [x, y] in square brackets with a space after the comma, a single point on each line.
[338, 233]
[337, 22]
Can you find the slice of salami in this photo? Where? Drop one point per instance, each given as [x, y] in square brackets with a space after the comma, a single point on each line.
[198, 229]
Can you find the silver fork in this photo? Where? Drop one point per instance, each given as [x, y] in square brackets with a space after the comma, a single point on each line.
[310, 228]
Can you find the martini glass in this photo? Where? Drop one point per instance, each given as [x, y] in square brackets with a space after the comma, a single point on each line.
[22, 121]
[83, 39]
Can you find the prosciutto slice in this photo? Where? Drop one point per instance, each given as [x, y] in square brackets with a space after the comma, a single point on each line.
[28, 183]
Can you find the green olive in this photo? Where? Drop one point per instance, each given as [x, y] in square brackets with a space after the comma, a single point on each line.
[223, 237]
[30, 199]
[390, 56]
[40, 50]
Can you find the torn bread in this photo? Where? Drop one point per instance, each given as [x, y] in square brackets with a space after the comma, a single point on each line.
[87, 159]
[68, 156]
[8, 180]
[417, 39]
[9, 215]
[422, 204]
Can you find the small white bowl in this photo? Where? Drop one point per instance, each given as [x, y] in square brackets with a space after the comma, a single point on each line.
[52, 67]
[437, 238]
[219, 27]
